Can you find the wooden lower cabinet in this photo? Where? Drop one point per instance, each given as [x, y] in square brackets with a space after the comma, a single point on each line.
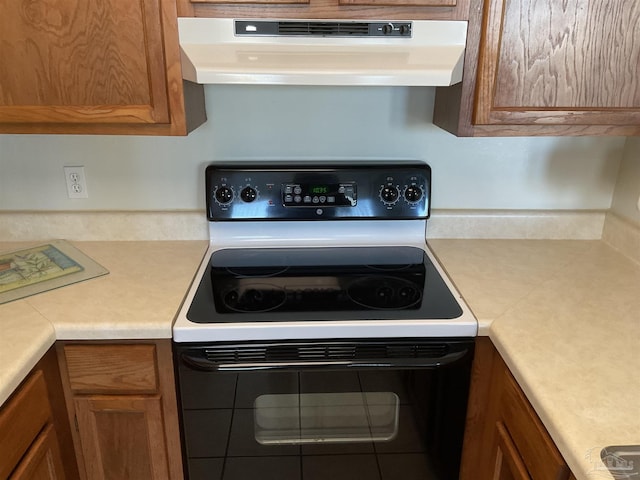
[509, 464]
[123, 435]
[43, 460]
[504, 438]
[35, 438]
[121, 398]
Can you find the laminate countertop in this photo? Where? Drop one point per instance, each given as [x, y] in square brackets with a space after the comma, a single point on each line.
[139, 298]
[565, 316]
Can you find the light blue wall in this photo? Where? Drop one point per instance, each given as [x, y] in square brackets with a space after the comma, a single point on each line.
[626, 199]
[303, 123]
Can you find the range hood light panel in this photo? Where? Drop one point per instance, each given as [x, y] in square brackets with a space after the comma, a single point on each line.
[337, 52]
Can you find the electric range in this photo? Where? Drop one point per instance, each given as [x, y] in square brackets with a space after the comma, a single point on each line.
[322, 251]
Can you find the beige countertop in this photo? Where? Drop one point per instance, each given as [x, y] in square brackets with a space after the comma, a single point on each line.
[565, 315]
[139, 298]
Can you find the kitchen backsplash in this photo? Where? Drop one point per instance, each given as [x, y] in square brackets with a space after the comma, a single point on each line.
[192, 225]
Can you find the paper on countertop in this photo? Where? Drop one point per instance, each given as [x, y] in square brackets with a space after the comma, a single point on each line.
[44, 267]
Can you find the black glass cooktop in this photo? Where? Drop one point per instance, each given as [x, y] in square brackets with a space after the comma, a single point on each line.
[332, 283]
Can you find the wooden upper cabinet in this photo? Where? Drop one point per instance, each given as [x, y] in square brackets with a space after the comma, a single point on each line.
[547, 67]
[566, 62]
[328, 9]
[73, 66]
[422, 3]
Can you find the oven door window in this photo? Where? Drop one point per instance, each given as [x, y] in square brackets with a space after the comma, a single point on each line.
[314, 418]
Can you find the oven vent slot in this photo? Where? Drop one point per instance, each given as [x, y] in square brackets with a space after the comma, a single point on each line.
[319, 352]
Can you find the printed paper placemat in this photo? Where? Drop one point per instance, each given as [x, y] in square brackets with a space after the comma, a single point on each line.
[44, 267]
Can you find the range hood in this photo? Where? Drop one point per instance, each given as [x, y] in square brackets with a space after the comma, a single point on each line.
[322, 52]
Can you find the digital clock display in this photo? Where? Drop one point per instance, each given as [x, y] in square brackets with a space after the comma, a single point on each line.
[318, 189]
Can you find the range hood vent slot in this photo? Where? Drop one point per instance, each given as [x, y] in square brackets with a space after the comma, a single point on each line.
[323, 29]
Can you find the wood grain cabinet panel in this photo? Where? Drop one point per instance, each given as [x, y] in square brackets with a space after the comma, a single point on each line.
[559, 62]
[21, 419]
[541, 457]
[504, 438]
[261, 2]
[43, 460]
[547, 67]
[402, 3]
[121, 398]
[328, 9]
[34, 428]
[509, 464]
[123, 436]
[90, 67]
[112, 368]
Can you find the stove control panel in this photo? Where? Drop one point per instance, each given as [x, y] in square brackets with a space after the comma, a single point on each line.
[361, 191]
[330, 195]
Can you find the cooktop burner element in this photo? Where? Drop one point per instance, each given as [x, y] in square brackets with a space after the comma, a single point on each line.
[385, 292]
[325, 283]
[306, 280]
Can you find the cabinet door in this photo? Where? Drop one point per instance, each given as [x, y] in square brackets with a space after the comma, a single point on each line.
[43, 460]
[559, 62]
[75, 61]
[122, 437]
[21, 419]
[402, 3]
[509, 465]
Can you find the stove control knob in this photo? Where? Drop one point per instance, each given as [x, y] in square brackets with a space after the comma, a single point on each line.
[389, 194]
[248, 194]
[223, 195]
[413, 194]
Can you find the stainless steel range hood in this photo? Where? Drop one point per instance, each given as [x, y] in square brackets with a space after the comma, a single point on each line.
[326, 52]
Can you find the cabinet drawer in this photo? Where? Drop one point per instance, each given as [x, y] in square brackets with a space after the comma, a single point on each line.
[538, 452]
[111, 368]
[21, 419]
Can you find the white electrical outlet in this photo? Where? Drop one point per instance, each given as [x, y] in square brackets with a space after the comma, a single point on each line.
[76, 182]
[638, 205]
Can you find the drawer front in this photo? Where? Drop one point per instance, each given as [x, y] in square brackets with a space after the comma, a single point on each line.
[112, 368]
[538, 452]
[21, 419]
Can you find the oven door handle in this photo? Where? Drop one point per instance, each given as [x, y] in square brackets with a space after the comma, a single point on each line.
[199, 363]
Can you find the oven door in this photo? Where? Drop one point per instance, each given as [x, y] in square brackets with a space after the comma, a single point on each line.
[329, 410]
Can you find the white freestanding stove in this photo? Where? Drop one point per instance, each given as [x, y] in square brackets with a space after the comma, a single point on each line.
[321, 339]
